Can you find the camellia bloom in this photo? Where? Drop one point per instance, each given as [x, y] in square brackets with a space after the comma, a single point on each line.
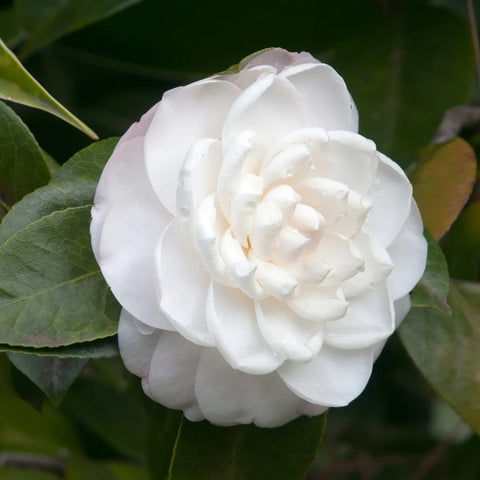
[261, 249]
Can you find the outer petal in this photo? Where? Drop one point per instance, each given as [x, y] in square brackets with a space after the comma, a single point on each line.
[139, 129]
[325, 97]
[184, 116]
[369, 320]
[232, 321]
[123, 169]
[391, 195]
[288, 333]
[409, 255]
[184, 285]
[402, 307]
[333, 378]
[279, 58]
[229, 397]
[171, 379]
[136, 347]
[130, 231]
[270, 107]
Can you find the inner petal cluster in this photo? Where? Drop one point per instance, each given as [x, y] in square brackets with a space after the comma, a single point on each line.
[285, 220]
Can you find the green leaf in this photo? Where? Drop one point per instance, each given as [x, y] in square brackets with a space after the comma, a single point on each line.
[7, 473]
[52, 375]
[206, 452]
[17, 85]
[49, 20]
[462, 246]
[52, 292]
[118, 417]
[164, 427]
[24, 429]
[447, 174]
[432, 289]
[87, 163]
[445, 349]
[22, 163]
[102, 348]
[83, 469]
[403, 74]
[46, 200]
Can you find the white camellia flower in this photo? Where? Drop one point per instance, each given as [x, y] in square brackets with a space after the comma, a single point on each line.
[261, 249]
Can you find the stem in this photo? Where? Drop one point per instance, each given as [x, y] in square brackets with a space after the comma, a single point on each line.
[474, 32]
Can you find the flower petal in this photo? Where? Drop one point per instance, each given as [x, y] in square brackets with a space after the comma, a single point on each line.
[229, 397]
[319, 303]
[391, 195]
[136, 348]
[184, 115]
[123, 169]
[333, 378]
[138, 129]
[325, 97]
[270, 107]
[289, 334]
[280, 58]
[197, 179]
[171, 378]
[130, 231]
[402, 307]
[369, 320]
[183, 284]
[409, 255]
[354, 160]
[233, 323]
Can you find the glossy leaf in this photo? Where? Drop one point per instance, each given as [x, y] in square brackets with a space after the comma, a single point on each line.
[49, 20]
[22, 163]
[444, 346]
[403, 75]
[462, 245]
[103, 348]
[206, 452]
[87, 163]
[17, 85]
[52, 375]
[51, 290]
[445, 173]
[432, 289]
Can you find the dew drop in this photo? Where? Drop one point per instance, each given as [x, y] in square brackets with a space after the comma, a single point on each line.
[185, 212]
[290, 172]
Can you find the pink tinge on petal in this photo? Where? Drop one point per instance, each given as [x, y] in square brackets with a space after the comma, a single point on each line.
[130, 232]
[138, 129]
[279, 58]
[124, 169]
[136, 348]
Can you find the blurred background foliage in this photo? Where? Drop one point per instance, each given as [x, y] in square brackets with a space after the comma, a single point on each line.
[406, 63]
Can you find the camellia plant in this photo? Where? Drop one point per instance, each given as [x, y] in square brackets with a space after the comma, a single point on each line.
[296, 233]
